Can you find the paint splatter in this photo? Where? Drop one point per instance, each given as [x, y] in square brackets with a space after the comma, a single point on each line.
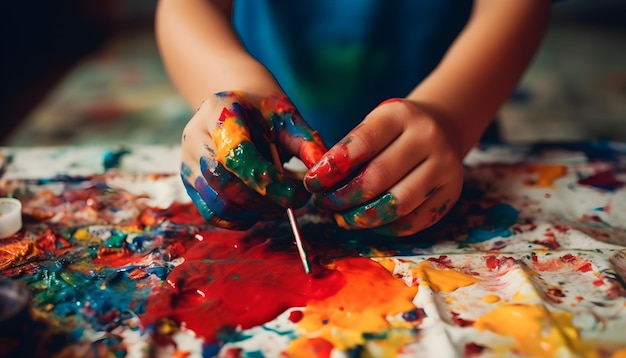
[99, 262]
[230, 280]
[604, 180]
[567, 262]
[112, 159]
[239, 281]
[498, 220]
[344, 318]
[446, 280]
[545, 175]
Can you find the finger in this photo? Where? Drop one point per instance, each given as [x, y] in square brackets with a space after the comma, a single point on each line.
[385, 170]
[237, 153]
[293, 133]
[215, 200]
[424, 216]
[360, 145]
[239, 201]
[404, 197]
[202, 201]
[196, 161]
[209, 215]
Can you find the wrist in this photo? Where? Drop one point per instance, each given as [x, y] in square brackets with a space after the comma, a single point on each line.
[245, 75]
[240, 73]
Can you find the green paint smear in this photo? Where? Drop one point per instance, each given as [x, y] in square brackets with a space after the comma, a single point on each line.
[375, 213]
[115, 241]
[259, 174]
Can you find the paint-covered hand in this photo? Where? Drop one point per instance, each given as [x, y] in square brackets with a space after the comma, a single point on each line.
[226, 161]
[398, 172]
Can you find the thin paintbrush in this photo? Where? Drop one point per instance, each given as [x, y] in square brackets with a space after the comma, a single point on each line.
[295, 228]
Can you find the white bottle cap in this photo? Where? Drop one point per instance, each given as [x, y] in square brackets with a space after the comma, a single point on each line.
[10, 217]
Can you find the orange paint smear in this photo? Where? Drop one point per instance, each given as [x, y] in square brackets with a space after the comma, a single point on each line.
[229, 134]
[365, 304]
[546, 174]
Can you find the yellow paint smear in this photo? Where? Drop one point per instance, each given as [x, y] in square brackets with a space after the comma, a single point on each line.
[389, 264]
[446, 280]
[363, 305]
[536, 331]
[228, 136]
[491, 298]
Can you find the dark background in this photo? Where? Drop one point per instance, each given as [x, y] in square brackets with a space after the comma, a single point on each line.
[41, 40]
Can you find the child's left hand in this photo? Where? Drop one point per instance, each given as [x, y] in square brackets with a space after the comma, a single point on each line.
[399, 171]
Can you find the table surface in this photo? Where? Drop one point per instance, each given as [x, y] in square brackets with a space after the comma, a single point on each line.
[117, 262]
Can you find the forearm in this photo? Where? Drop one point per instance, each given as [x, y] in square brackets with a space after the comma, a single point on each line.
[202, 53]
[483, 66]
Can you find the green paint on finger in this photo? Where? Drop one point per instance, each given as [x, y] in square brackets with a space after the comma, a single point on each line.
[373, 214]
[259, 174]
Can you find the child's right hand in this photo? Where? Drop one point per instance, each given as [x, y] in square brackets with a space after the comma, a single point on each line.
[226, 162]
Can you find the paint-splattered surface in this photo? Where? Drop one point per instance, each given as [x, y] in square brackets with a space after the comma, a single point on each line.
[531, 262]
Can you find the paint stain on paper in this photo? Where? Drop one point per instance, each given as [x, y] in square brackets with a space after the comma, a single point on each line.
[236, 281]
[446, 280]
[568, 262]
[361, 306]
[536, 331]
[605, 180]
[496, 222]
[230, 280]
[545, 175]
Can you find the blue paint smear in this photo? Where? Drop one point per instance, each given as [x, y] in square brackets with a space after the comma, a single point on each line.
[499, 218]
[109, 293]
[211, 350]
[112, 159]
[252, 354]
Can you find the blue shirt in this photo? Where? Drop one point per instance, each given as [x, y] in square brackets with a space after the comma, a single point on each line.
[337, 59]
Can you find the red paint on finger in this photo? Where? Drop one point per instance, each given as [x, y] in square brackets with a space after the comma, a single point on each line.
[277, 104]
[224, 115]
[312, 152]
[330, 170]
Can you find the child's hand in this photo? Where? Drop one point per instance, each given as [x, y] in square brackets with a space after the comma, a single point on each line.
[397, 171]
[226, 163]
